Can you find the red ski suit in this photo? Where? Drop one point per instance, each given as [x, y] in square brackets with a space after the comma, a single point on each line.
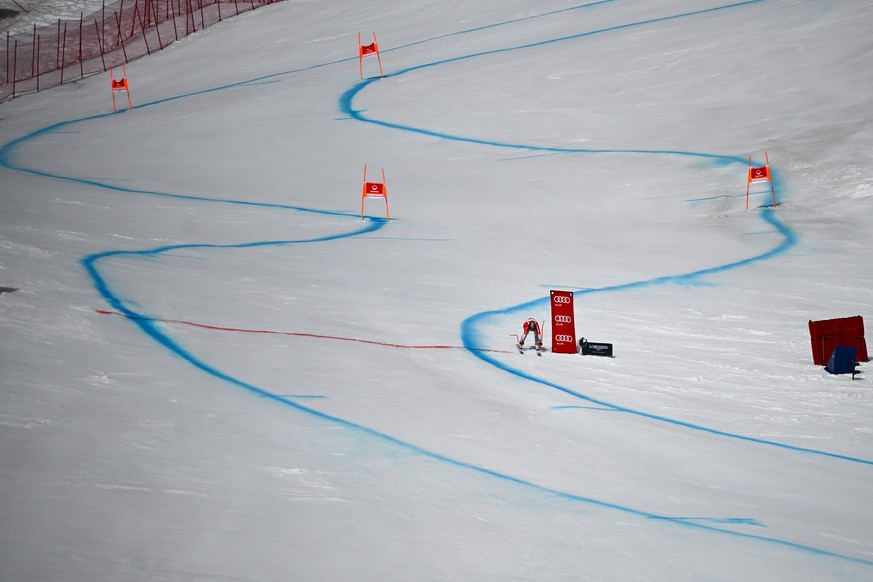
[532, 325]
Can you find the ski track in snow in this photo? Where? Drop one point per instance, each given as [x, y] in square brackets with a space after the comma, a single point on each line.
[469, 326]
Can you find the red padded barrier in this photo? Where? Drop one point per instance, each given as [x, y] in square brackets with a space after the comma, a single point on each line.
[827, 334]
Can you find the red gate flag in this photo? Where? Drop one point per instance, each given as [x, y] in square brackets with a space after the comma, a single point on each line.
[563, 325]
[374, 190]
[759, 174]
[368, 51]
[119, 85]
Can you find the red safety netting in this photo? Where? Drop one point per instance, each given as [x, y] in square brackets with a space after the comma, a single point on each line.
[121, 31]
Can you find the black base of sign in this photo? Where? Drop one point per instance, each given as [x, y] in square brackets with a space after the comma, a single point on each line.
[587, 348]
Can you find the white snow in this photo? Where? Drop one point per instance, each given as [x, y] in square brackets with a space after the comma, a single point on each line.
[213, 369]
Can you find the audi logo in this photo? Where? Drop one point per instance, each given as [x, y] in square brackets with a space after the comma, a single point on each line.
[563, 319]
[564, 338]
[561, 299]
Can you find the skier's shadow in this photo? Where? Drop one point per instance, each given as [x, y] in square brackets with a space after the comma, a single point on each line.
[7, 290]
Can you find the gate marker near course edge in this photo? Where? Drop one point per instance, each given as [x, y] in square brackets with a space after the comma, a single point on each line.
[368, 51]
[563, 324]
[119, 85]
[374, 190]
[760, 174]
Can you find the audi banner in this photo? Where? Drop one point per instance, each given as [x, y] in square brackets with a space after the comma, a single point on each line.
[563, 325]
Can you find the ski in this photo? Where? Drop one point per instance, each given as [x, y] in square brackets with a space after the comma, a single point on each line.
[539, 349]
[520, 346]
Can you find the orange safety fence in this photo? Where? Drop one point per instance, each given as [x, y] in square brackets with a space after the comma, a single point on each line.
[119, 32]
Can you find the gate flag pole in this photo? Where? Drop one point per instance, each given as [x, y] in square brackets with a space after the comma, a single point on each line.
[119, 85]
[374, 190]
[760, 174]
[369, 50]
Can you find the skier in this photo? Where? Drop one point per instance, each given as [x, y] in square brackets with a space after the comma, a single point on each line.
[531, 325]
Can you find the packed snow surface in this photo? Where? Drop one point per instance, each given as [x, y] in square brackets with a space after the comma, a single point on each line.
[214, 368]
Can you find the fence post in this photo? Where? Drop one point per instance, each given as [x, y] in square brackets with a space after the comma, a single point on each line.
[143, 29]
[153, 11]
[37, 62]
[63, 54]
[100, 42]
[120, 37]
[7, 57]
[33, 56]
[14, 67]
[173, 10]
[136, 15]
[81, 60]
[117, 12]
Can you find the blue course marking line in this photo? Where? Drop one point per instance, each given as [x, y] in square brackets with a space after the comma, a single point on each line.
[570, 37]
[151, 329]
[603, 408]
[736, 520]
[719, 197]
[147, 324]
[346, 100]
[302, 396]
[8, 149]
[469, 336]
[497, 24]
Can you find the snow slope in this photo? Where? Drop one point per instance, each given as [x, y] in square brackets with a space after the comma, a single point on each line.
[214, 369]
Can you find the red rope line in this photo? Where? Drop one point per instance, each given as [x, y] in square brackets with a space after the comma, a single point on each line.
[298, 334]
